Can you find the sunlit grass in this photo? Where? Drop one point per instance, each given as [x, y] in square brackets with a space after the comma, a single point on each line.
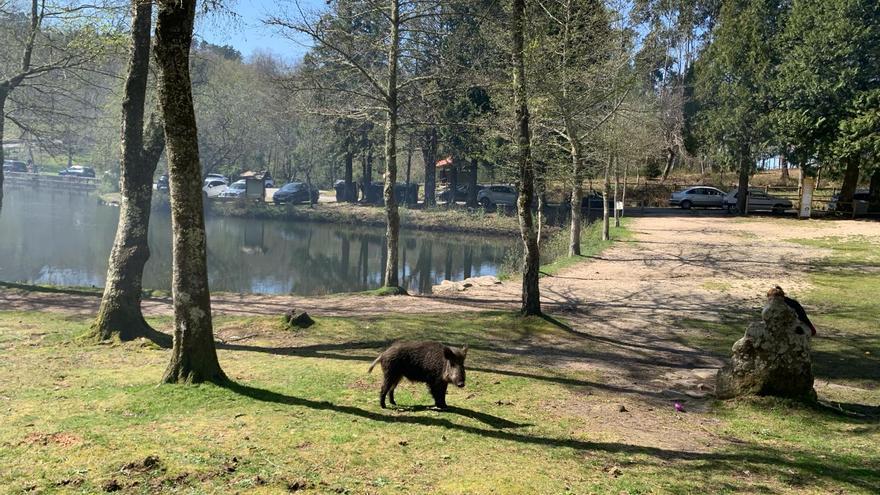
[302, 413]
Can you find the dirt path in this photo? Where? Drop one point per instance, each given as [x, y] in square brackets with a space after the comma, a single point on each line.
[634, 306]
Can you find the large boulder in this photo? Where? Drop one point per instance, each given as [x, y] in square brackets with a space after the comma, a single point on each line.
[773, 358]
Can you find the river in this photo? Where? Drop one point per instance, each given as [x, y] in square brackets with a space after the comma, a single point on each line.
[59, 238]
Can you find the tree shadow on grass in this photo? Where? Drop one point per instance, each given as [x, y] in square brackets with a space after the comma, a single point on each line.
[838, 469]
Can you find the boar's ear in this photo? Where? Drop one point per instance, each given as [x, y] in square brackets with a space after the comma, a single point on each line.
[448, 353]
[464, 351]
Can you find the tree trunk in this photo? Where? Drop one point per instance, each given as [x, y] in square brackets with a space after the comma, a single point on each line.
[848, 187]
[574, 241]
[670, 162]
[368, 168]
[623, 194]
[3, 95]
[453, 182]
[193, 356]
[874, 188]
[616, 192]
[409, 154]
[472, 184]
[393, 216]
[745, 168]
[606, 192]
[120, 313]
[429, 155]
[350, 195]
[783, 164]
[540, 192]
[531, 296]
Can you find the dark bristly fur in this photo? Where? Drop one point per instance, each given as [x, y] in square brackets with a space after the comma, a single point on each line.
[429, 362]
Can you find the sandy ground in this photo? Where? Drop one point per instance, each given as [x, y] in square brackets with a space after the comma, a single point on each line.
[632, 304]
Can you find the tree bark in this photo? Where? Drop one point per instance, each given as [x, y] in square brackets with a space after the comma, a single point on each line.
[783, 164]
[848, 187]
[874, 188]
[393, 216]
[350, 195]
[3, 95]
[616, 191]
[577, 192]
[531, 297]
[606, 192]
[670, 162]
[429, 156]
[193, 356]
[120, 312]
[745, 168]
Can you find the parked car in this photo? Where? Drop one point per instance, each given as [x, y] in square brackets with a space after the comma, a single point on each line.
[861, 201]
[235, 190]
[295, 192]
[219, 177]
[758, 201]
[268, 180]
[78, 171]
[14, 166]
[214, 188]
[705, 196]
[491, 196]
[461, 192]
[594, 202]
[162, 183]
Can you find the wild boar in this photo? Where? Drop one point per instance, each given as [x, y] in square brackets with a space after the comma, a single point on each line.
[432, 363]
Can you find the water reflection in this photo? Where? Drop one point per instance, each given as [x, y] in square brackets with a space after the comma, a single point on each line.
[64, 239]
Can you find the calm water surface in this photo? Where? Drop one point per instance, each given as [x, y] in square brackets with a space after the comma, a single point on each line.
[65, 239]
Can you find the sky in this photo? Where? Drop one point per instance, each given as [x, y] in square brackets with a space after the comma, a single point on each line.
[246, 32]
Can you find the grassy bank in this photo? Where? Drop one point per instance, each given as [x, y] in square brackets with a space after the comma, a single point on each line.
[554, 249]
[432, 219]
[302, 415]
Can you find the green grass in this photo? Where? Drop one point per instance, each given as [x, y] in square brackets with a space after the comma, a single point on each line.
[555, 248]
[302, 412]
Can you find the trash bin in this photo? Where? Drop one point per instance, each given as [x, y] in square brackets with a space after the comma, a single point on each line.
[340, 190]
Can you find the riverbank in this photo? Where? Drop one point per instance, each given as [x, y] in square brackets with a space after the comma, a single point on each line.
[431, 220]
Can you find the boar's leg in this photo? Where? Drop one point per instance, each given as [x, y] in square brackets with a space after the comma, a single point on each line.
[391, 394]
[438, 391]
[390, 381]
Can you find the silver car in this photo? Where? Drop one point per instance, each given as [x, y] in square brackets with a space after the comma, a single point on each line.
[235, 190]
[759, 200]
[705, 196]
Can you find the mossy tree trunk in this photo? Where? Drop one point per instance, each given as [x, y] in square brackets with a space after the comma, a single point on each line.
[194, 358]
[392, 232]
[120, 313]
[531, 296]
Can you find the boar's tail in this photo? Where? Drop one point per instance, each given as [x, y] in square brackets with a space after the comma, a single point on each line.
[373, 364]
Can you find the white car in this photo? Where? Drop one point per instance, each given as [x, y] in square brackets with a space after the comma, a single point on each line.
[235, 190]
[219, 177]
[214, 187]
[758, 201]
[491, 196]
[698, 196]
